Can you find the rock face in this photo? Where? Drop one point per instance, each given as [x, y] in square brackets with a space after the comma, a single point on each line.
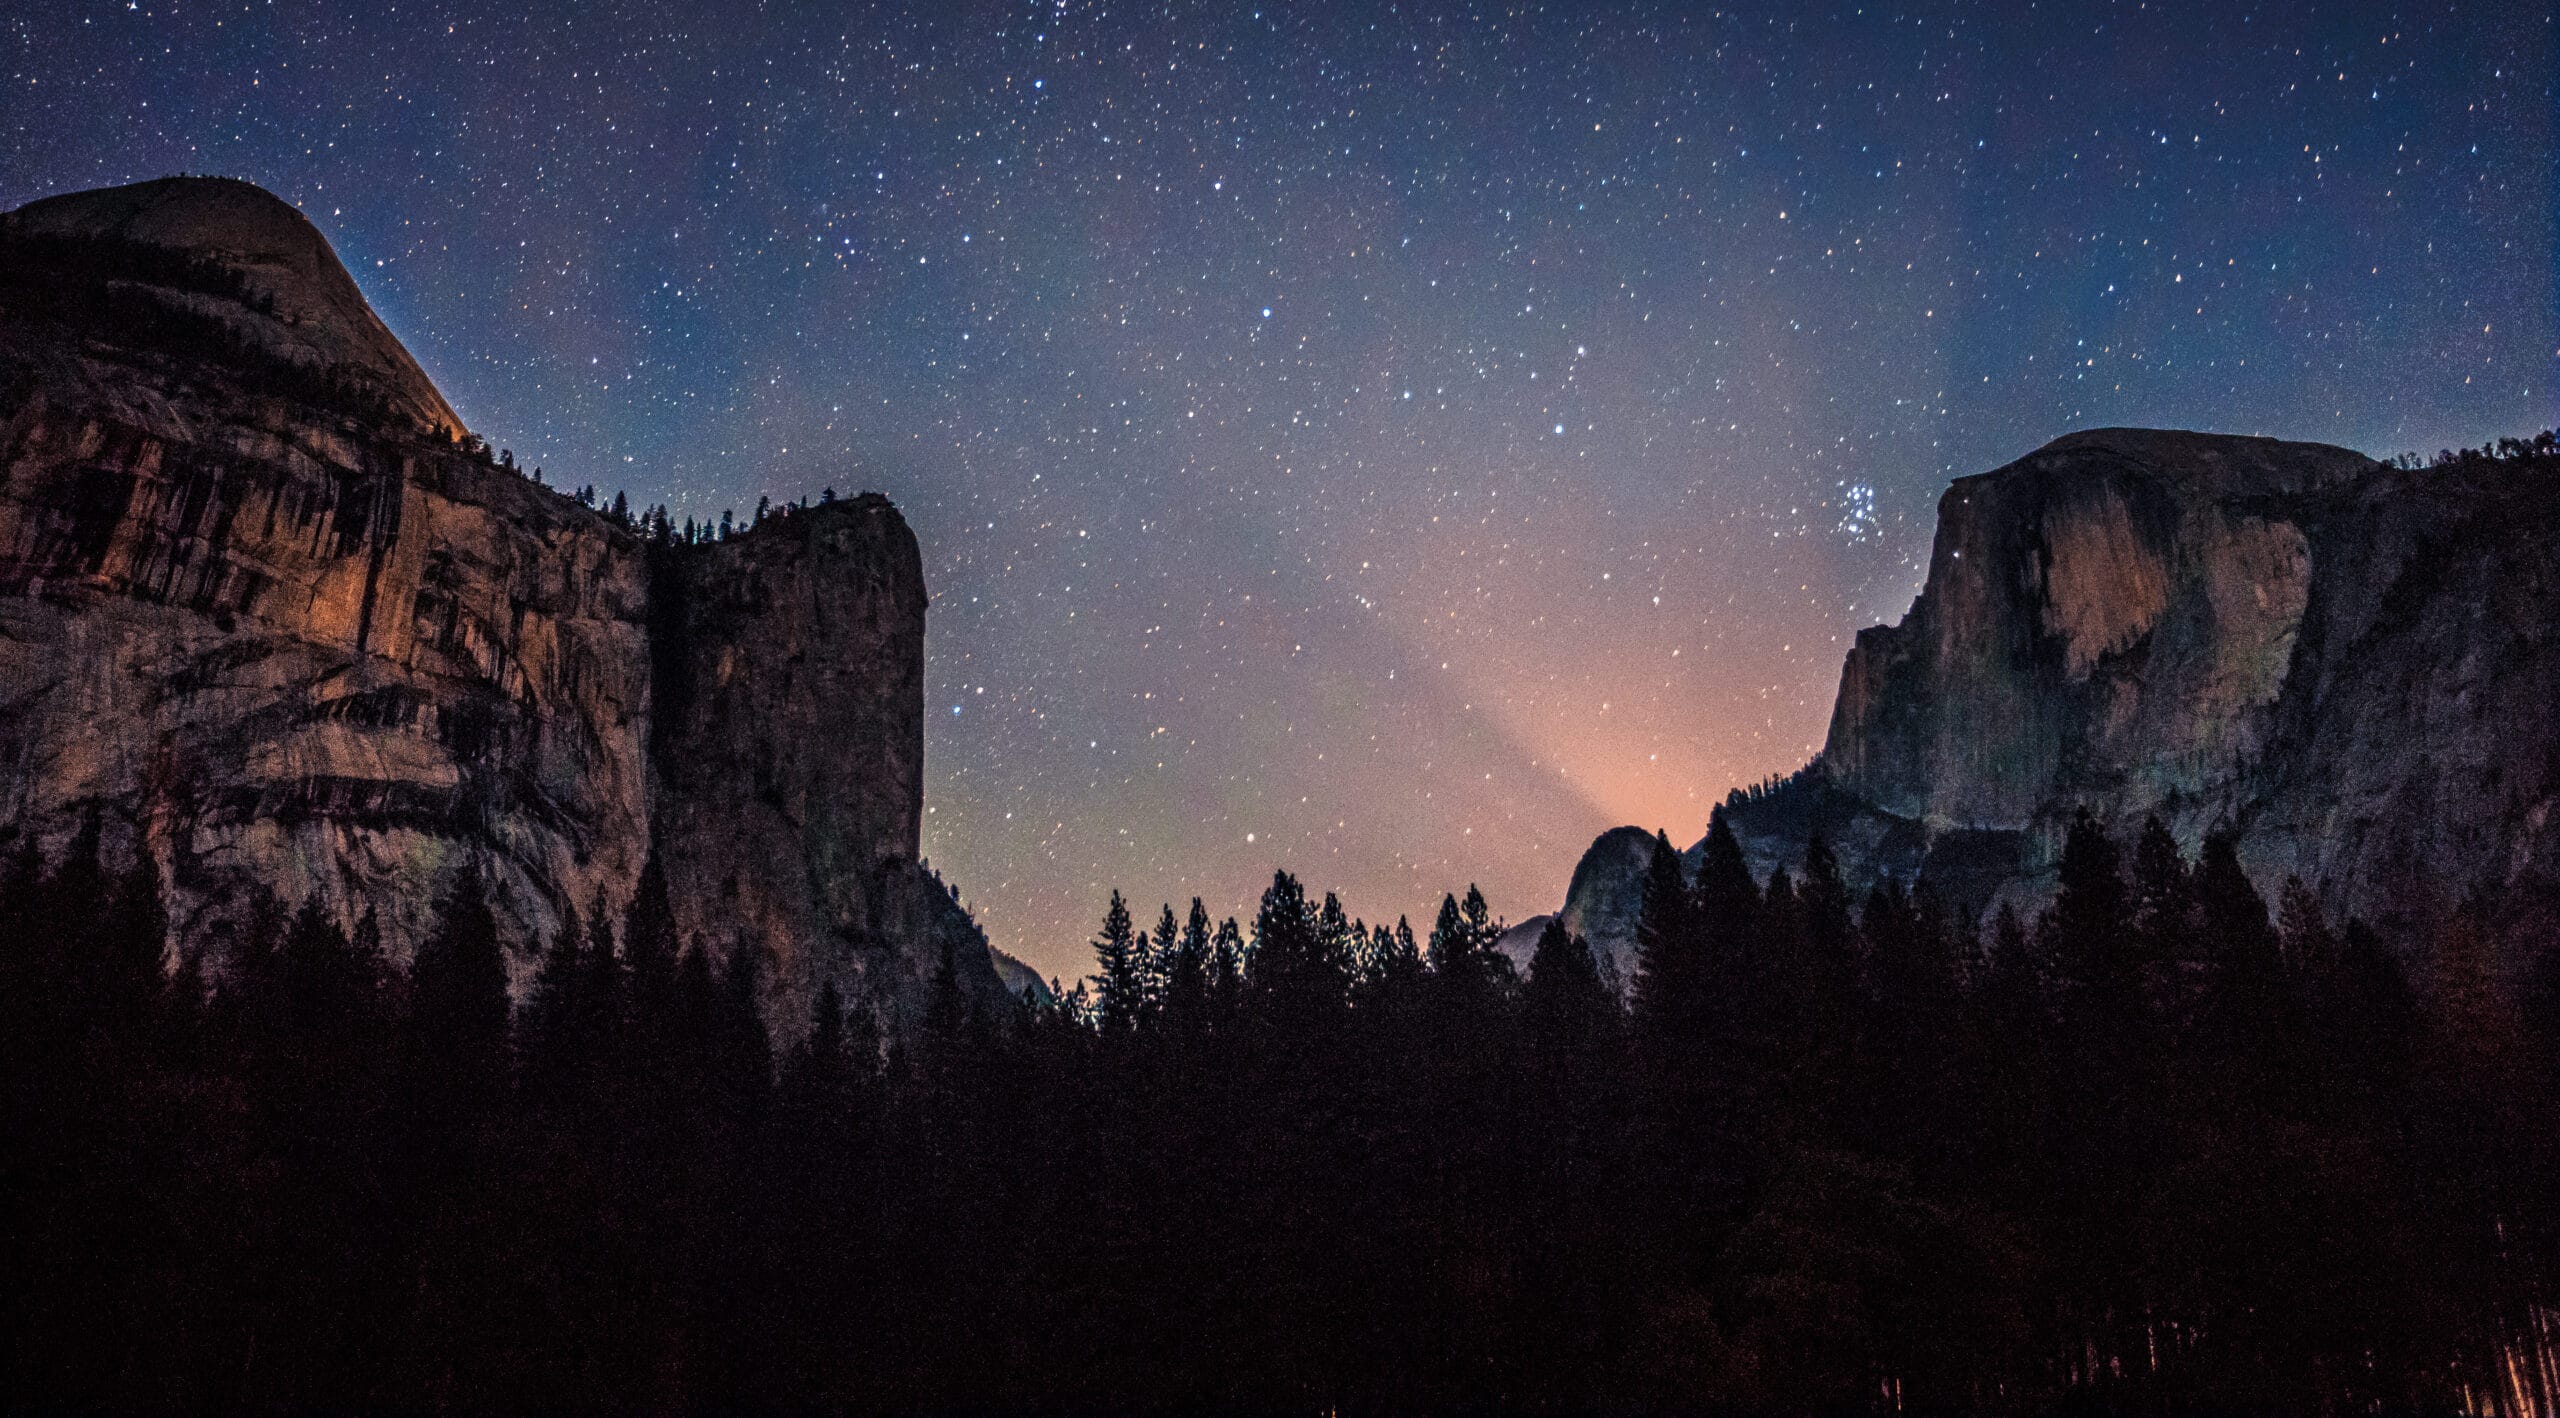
[266, 621]
[301, 304]
[1518, 942]
[789, 741]
[2111, 619]
[2348, 664]
[1600, 905]
[1020, 980]
[1606, 896]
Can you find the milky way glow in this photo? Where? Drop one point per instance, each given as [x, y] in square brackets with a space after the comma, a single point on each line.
[1394, 444]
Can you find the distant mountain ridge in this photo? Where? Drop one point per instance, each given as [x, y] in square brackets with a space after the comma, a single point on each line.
[2348, 664]
[278, 624]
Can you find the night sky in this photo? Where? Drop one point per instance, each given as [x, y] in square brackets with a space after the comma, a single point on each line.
[1391, 442]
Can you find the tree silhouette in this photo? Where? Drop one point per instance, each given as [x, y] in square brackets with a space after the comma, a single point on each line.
[459, 1011]
[1893, 1159]
[1121, 984]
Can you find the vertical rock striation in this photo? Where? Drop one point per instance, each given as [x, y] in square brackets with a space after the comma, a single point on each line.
[2113, 617]
[271, 621]
[2347, 664]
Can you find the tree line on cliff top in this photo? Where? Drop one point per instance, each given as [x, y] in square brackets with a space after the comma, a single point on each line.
[2161, 1148]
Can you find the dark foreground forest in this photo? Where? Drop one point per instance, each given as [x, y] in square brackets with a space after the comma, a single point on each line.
[2164, 1149]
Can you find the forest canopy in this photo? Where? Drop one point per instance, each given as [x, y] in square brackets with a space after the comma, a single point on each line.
[2165, 1147]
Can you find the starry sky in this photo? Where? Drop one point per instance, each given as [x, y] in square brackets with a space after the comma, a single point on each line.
[1391, 441]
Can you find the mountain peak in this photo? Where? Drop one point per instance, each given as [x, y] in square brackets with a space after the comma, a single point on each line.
[307, 307]
[2239, 465]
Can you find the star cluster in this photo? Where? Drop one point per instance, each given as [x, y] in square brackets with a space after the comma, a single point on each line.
[1390, 441]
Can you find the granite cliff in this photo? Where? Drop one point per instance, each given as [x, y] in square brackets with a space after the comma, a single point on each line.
[2348, 664]
[276, 623]
[788, 734]
[1600, 905]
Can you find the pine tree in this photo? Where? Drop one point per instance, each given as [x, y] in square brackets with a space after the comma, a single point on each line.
[134, 934]
[2012, 994]
[1451, 942]
[2469, 1014]
[555, 1014]
[458, 1008]
[2089, 929]
[1120, 985]
[1763, 973]
[1186, 989]
[1811, 1002]
[1336, 945]
[1226, 970]
[2244, 950]
[1391, 960]
[1481, 927]
[1830, 935]
[689, 1052]
[98, 939]
[740, 1046]
[821, 1064]
[2009, 962]
[1727, 899]
[946, 1013]
[2104, 1067]
[1564, 996]
[1162, 944]
[330, 992]
[1671, 974]
[1288, 965]
[600, 1031]
[2162, 890]
[650, 955]
[1911, 997]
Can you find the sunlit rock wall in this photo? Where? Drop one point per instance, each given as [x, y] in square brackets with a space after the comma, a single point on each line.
[270, 625]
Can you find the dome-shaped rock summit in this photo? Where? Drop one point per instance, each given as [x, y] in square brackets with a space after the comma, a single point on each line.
[297, 301]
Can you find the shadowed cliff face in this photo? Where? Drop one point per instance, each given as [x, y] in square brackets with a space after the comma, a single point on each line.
[2349, 665]
[266, 623]
[789, 736]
